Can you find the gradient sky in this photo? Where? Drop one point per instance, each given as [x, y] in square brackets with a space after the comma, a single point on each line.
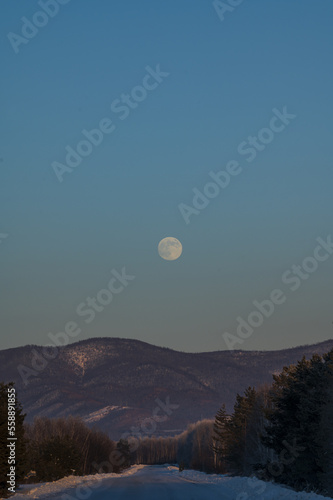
[225, 77]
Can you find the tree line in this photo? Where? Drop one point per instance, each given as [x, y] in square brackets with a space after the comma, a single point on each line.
[50, 449]
[282, 432]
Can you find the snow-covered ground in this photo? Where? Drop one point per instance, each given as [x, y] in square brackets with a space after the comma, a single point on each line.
[160, 482]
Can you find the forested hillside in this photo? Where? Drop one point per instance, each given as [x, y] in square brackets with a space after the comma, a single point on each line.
[117, 384]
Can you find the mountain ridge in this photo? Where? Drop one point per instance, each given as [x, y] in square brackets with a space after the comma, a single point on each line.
[118, 384]
[92, 339]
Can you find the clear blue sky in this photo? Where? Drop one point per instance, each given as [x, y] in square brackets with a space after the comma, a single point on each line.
[225, 78]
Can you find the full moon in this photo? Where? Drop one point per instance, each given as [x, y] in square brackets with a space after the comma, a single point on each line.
[170, 248]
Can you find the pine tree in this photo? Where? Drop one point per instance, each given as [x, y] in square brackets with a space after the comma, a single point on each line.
[220, 438]
[325, 436]
[237, 429]
[299, 398]
[230, 432]
[256, 453]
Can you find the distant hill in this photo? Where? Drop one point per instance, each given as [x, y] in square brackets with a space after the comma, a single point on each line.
[114, 383]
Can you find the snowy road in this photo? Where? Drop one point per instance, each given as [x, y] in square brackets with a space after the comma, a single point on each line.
[159, 482]
[153, 483]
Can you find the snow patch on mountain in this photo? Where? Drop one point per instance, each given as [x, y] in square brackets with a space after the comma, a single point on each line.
[83, 356]
[103, 412]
